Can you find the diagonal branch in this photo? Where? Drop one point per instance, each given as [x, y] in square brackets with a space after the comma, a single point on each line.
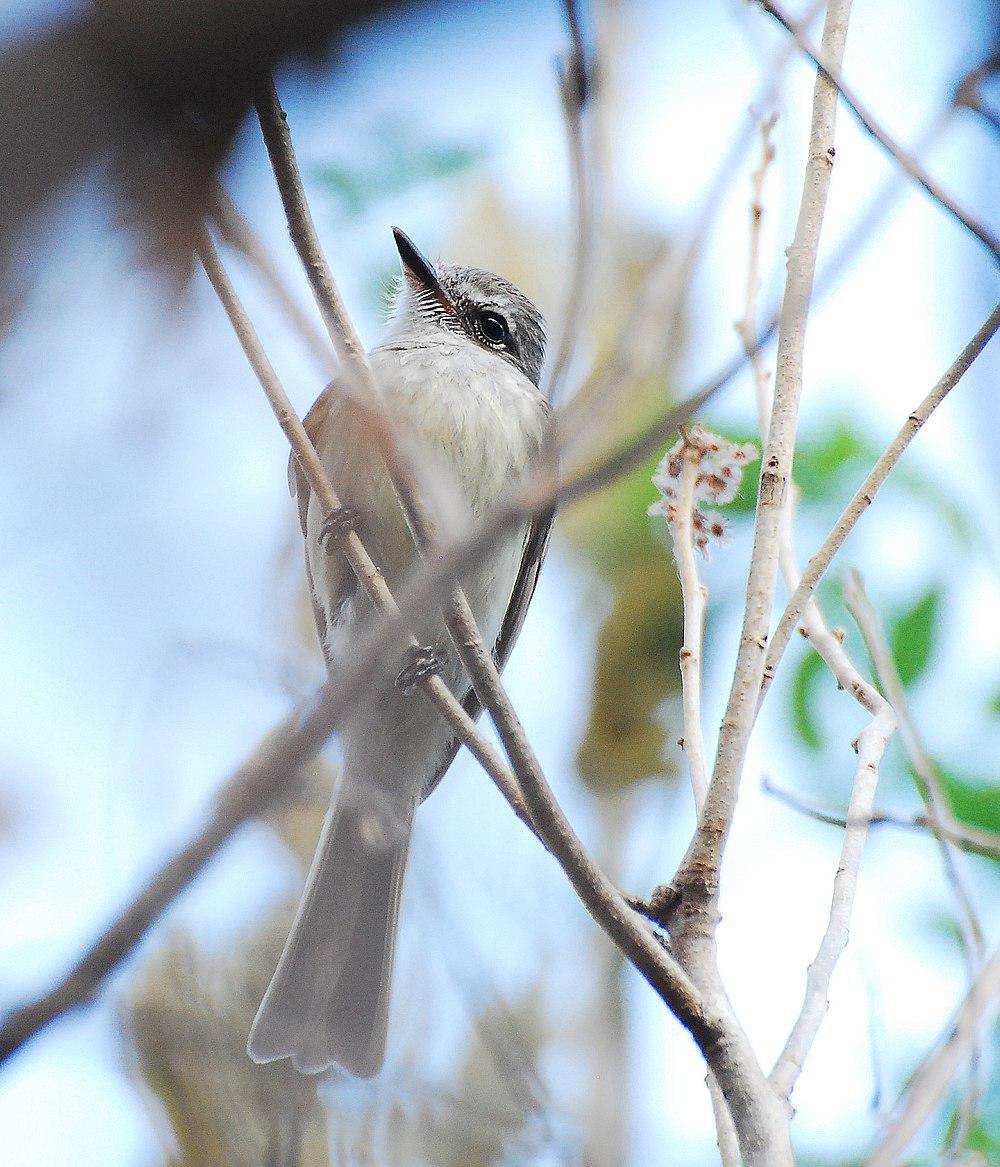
[929, 785]
[865, 495]
[928, 1085]
[830, 68]
[970, 839]
[238, 233]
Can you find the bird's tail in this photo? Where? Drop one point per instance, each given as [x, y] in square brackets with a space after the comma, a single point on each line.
[328, 1002]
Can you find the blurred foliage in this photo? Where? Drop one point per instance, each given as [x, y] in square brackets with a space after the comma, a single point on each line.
[912, 635]
[806, 680]
[832, 460]
[396, 158]
[636, 671]
[974, 800]
[186, 1016]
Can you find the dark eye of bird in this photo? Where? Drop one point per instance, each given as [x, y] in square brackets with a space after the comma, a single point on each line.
[494, 328]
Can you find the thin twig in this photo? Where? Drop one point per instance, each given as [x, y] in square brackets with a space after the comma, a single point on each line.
[870, 746]
[929, 1084]
[939, 817]
[576, 80]
[866, 494]
[969, 839]
[830, 67]
[694, 597]
[238, 233]
[929, 785]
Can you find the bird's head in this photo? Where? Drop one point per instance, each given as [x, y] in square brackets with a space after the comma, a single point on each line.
[483, 307]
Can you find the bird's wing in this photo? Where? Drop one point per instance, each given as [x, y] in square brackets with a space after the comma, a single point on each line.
[325, 409]
[536, 544]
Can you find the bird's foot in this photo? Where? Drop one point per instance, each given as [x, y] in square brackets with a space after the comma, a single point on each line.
[337, 525]
[421, 661]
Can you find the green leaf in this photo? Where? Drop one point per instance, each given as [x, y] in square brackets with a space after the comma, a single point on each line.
[973, 799]
[913, 635]
[400, 161]
[804, 713]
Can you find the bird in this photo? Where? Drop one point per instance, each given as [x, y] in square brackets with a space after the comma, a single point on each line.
[459, 373]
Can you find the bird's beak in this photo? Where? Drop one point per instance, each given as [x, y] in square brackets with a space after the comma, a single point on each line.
[420, 271]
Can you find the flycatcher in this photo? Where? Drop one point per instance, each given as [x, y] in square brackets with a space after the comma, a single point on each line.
[459, 374]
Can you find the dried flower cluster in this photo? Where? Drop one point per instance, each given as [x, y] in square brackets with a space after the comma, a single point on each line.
[720, 465]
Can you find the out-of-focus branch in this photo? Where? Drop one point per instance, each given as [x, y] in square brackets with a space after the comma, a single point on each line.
[577, 76]
[269, 774]
[238, 233]
[928, 1085]
[969, 91]
[652, 331]
[866, 494]
[970, 839]
[938, 818]
[830, 67]
[929, 785]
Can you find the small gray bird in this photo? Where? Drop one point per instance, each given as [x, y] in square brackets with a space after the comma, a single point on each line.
[459, 372]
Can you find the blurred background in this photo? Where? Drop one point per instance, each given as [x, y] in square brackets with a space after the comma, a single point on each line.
[154, 622]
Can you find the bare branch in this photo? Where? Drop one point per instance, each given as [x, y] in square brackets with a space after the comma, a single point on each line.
[698, 875]
[694, 596]
[576, 82]
[238, 233]
[929, 785]
[972, 840]
[830, 67]
[270, 773]
[831, 649]
[939, 817]
[725, 1133]
[870, 746]
[866, 494]
[929, 1084]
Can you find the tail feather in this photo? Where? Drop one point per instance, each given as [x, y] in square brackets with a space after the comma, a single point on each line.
[328, 1002]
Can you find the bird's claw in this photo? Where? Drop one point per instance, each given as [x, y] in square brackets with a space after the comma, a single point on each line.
[337, 525]
[421, 662]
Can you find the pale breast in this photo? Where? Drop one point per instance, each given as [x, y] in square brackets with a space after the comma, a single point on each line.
[477, 415]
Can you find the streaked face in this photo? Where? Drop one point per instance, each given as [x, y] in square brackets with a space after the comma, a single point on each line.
[482, 306]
